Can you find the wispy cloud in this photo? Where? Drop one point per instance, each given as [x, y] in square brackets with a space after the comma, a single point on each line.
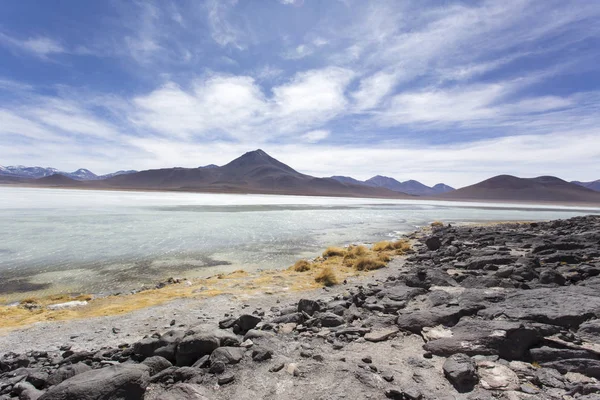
[39, 46]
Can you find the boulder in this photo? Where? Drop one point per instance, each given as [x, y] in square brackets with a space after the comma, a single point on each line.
[196, 345]
[494, 376]
[415, 321]
[563, 306]
[590, 331]
[509, 340]
[228, 355]
[461, 372]
[156, 364]
[120, 382]
[585, 366]
[308, 306]
[433, 243]
[329, 320]
[67, 371]
[247, 322]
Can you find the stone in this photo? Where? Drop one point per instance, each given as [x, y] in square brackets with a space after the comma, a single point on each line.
[434, 333]
[308, 306]
[247, 322]
[415, 321]
[433, 243]
[125, 381]
[156, 364]
[227, 323]
[584, 366]
[228, 355]
[217, 367]
[196, 345]
[27, 391]
[409, 393]
[277, 367]
[568, 307]
[509, 340]
[292, 369]
[548, 377]
[461, 372]
[67, 371]
[380, 335]
[329, 320]
[590, 331]
[185, 391]
[494, 376]
[261, 354]
[226, 378]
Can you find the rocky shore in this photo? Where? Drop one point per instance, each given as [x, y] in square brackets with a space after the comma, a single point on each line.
[507, 311]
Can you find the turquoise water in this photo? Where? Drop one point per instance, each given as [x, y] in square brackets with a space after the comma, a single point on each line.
[54, 240]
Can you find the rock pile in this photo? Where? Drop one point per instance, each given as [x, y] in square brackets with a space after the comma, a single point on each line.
[505, 311]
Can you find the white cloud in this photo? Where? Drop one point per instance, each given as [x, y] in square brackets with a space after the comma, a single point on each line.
[236, 106]
[373, 89]
[40, 46]
[223, 30]
[298, 52]
[315, 136]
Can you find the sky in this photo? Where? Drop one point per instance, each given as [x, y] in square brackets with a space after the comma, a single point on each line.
[434, 90]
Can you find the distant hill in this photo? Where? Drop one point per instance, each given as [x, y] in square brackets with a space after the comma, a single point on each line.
[253, 172]
[57, 180]
[512, 188]
[595, 185]
[412, 187]
[82, 174]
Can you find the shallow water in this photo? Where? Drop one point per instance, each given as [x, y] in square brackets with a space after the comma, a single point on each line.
[57, 241]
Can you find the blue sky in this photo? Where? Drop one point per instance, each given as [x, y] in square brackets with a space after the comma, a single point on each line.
[434, 90]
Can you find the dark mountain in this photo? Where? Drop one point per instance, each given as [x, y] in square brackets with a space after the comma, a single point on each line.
[209, 166]
[347, 179]
[57, 180]
[595, 185]
[253, 172]
[411, 186]
[442, 188]
[511, 188]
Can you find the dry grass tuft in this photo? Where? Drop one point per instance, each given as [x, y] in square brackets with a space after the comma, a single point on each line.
[368, 263]
[334, 252]
[437, 224]
[326, 277]
[399, 246]
[302, 266]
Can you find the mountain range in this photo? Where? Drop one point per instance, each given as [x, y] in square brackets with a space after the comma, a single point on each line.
[512, 188]
[594, 185]
[82, 174]
[257, 172]
[410, 187]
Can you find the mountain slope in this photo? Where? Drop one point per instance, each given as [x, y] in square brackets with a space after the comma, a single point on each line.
[253, 172]
[82, 174]
[512, 188]
[411, 186]
[595, 185]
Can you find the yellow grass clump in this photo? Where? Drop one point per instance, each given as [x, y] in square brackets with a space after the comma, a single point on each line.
[326, 277]
[398, 246]
[368, 263]
[334, 252]
[302, 266]
[437, 224]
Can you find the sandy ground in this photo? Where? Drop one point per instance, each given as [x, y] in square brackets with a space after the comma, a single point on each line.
[95, 333]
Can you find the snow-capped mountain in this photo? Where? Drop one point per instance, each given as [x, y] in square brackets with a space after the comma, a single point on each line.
[82, 174]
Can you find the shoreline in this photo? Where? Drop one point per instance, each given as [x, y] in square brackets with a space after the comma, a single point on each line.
[506, 310]
[403, 197]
